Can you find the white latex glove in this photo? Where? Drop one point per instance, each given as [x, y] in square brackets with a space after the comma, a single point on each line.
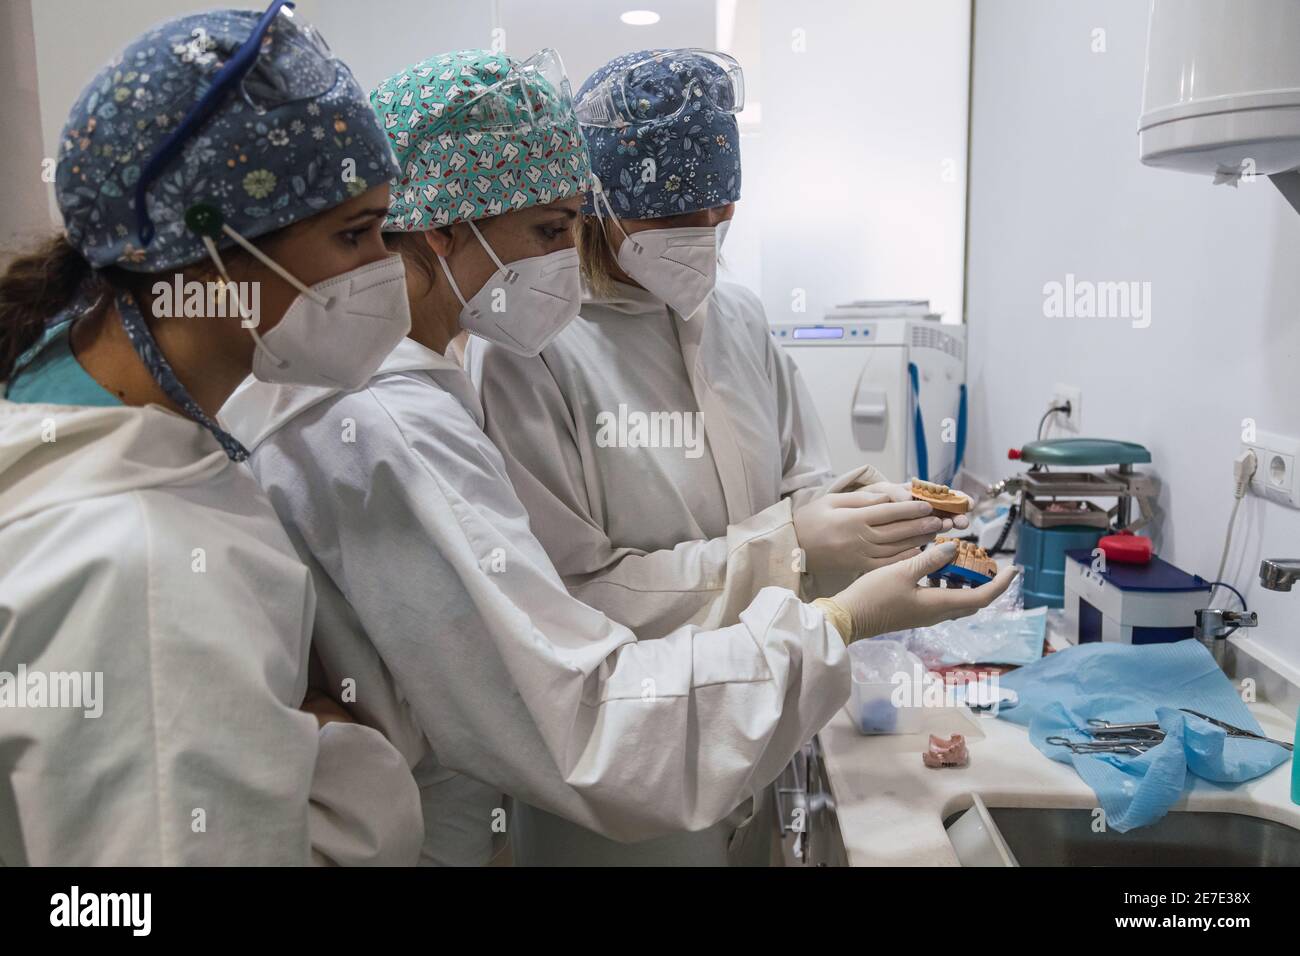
[890, 599]
[855, 531]
[902, 491]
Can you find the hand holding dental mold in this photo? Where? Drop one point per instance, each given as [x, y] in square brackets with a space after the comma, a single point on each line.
[871, 524]
[941, 498]
[891, 599]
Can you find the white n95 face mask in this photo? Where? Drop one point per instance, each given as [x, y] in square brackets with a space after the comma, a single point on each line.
[337, 332]
[678, 266]
[525, 304]
[721, 230]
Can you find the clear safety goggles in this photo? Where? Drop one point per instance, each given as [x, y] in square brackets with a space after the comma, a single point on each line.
[642, 93]
[283, 60]
[534, 93]
[293, 63]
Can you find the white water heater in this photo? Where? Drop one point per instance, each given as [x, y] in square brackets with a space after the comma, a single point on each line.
[1221, 95]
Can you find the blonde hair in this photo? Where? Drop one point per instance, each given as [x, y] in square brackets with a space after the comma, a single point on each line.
[595, 258]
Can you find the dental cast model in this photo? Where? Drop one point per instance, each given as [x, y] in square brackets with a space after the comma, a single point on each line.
[970, 565]
[940, 497]
[949, 752]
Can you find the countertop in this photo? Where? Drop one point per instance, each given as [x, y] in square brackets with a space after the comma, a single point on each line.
[891, 807]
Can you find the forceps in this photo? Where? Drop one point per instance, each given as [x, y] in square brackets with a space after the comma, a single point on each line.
[1104, 729]
[1237, 731]
[1133, 746]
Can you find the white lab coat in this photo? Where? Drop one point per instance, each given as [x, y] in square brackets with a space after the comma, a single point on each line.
[477, 659]
[646, 533]
[132, 547]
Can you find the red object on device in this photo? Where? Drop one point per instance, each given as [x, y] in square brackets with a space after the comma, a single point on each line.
[1126, 548]
[1013, 454]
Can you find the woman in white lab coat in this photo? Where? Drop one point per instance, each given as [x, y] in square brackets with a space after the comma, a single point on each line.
[437, 605]
[638, 524]
[154, 618]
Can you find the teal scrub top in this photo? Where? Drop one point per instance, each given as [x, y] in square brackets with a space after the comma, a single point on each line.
[51, 374]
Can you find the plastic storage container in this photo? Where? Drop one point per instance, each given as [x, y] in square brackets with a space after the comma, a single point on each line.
[887, 691]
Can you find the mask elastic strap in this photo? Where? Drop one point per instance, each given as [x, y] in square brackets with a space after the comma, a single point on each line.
[601, 197]
[146, 347]
[275, 267]
[491, 255]
[446, 270]
[248, 320]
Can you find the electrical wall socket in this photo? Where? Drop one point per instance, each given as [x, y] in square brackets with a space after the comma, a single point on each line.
[1275, 470]
[1061, 394]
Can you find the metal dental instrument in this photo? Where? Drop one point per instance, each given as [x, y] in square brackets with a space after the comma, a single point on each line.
[1138, 738]
[1133, 739]
[1237, 731]
[1133, 747]
[1103, 729]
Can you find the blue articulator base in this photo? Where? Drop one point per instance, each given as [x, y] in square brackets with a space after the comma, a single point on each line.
[957, 576]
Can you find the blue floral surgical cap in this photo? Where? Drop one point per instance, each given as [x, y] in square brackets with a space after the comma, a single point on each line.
[663, 167]
[261, 168]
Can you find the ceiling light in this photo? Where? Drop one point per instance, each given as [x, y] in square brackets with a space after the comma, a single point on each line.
[640, 18]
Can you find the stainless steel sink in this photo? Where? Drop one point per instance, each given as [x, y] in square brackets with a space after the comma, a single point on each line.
[1054, 837]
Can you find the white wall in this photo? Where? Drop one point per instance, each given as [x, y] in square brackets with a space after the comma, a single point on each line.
[588, 33]
[856, 178]
[376, 38]
[1056, 188]
[23, 213]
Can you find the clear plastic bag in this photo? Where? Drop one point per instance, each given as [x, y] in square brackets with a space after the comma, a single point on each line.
[1002, 633]
[877, 661]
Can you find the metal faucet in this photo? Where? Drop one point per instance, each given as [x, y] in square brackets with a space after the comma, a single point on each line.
[1278, 574]
[1213, 625]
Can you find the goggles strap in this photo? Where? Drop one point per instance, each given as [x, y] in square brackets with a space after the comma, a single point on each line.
[446, 270]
